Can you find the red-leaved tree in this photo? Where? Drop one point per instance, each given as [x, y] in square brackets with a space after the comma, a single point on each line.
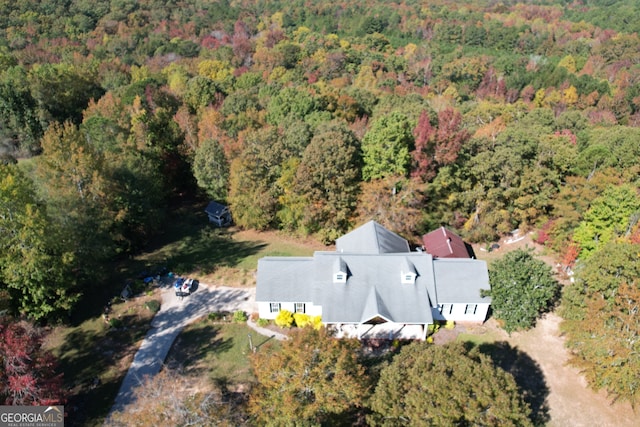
[437, 147]
[28, 374]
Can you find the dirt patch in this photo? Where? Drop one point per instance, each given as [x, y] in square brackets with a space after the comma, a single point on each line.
[568, 401]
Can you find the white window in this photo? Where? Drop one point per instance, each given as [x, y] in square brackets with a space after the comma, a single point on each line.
[445, 308]
[300, 307]
[275, 307]
[470, 308]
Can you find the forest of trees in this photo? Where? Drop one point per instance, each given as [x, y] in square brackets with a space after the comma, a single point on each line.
[311, 117]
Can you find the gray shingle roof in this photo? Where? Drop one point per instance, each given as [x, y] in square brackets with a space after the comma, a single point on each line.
[376, 261]
[372, 238]
[215, 208]
[283, 279]
[374, 288]
[459, 280]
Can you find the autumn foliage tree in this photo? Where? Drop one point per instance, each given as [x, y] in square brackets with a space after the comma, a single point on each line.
[171, 398]
[328, 178]
[313, 379]
[601, 320]
[34, 268]
[437, 146]
[28, 373]
[431, 385]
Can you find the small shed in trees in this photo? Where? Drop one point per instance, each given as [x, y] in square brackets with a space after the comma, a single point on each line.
[218, 214]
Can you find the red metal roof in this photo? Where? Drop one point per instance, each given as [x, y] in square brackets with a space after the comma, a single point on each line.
[443, 243]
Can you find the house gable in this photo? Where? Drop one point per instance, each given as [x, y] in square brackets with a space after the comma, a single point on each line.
[371, 238]
[374, 288]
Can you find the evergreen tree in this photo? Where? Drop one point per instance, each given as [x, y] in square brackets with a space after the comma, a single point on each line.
[386, 147]
[522, 288]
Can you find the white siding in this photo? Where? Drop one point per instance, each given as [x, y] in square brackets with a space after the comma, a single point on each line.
[264, 309]
[461, 312]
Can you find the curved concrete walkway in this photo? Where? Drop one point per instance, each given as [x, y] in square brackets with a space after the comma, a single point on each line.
[175, 313]
[266, 332]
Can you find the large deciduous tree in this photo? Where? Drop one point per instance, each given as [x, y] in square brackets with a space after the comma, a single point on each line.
[72, 180]
[328, 178]
[428, 385]
[437, 147]
[34, 268]
[253, 193]
[314, 379]
[211, 169]
[611, 215]
[28, 373]
[386, 147]
[522, 287]
[601, 319]
[170, 398]
[395, 202]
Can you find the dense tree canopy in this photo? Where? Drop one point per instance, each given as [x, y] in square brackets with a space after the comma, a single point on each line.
[311, 117]
[34, 267]
[430, 385]
[501, 116]
[312, 380]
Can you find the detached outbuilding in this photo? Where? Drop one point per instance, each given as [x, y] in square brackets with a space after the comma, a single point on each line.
[444, 243]
[219, 214]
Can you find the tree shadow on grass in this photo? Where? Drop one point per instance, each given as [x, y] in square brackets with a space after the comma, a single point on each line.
[206, 251]
[190, 243]
[87, 358]
[528, 376]
[195, 345]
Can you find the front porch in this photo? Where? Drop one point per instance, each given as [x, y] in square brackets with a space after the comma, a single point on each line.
[387, 331]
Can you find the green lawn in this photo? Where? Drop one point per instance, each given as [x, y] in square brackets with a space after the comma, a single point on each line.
[218, 350]
[476, 339]
[227, 256]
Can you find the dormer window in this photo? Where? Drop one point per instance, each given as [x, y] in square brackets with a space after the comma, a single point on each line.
[340, 271]
[408, 273]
